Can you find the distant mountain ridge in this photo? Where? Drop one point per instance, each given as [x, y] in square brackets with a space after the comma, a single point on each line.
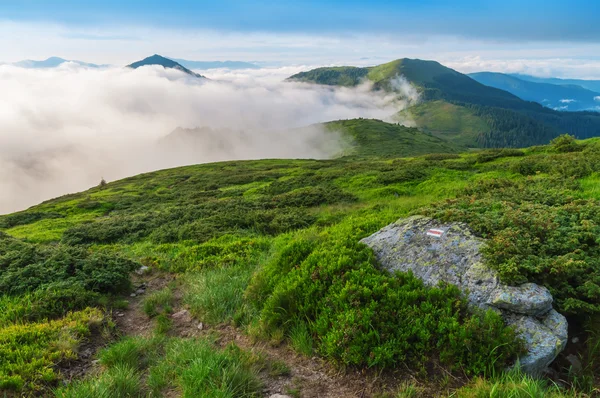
[203, 65]
[486, 116]
[165, 63]
[52, 62]
[593, 85]
[567, 97]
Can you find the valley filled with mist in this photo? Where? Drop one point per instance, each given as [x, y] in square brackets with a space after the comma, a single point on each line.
[64, 129]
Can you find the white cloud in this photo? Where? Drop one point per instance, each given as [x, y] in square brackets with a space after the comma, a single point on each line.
[597, 98]
[567, 101]
[129, 43]
[61, 130]
[575, 66]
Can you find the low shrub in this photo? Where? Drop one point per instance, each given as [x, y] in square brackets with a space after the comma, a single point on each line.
[27, 268]
[24, 218]
[404, 172]
[361, 316]
[220, 253]
[537, 231]
[565, 143]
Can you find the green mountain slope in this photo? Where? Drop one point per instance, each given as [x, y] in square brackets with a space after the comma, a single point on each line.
[370, 137]
[457, 124]
[524, 122]
[433, 80]
[347, 76]
[479, 126]
[555, 96]
[271, 248]
[165, 63]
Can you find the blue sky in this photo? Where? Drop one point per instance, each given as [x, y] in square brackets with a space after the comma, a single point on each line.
[310, 31]
[507, 19]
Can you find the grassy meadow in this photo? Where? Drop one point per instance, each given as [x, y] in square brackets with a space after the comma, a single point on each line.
[271, 248]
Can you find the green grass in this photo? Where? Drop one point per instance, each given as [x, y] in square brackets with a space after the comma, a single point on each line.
[217, 295]
[118, 381]
[513, 384]
[159, 302]
[137, 367]
[301, 340]
[134, 352]
[346, 76]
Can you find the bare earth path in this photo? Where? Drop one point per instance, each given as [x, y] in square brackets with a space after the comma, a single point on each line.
[308, 378]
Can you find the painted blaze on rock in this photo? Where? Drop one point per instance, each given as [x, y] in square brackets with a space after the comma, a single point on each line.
[436, 252]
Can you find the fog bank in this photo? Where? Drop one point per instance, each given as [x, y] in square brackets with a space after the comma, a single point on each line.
[63, 129]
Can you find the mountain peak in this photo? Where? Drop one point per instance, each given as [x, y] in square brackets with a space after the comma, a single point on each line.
[56, 59]
[166, 63]
[51, 62]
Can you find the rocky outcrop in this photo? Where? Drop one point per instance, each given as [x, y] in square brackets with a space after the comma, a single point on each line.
[437, 252]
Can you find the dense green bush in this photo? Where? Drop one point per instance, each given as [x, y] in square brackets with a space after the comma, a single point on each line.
[404, 172]
[58, 299]
[60, 270]
[362, 316]
[538, 231]
[565, 143]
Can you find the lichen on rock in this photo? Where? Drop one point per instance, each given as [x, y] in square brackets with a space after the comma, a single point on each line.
[436, 252]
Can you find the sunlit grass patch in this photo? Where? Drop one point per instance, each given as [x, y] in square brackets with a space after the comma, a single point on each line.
[216, 295]
[49, 230]
[514, 384]
[30, 351]
[591, 186]
[136, 367]
[118, 381]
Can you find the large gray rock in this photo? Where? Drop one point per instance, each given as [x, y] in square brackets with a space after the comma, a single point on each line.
[437, 252]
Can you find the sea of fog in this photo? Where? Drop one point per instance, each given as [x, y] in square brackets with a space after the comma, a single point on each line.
[62, 130]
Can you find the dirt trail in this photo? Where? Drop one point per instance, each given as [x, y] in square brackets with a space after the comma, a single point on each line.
[308, 378]
[132, 321]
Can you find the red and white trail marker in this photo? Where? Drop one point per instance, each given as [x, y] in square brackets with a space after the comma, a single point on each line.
[436, 233]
